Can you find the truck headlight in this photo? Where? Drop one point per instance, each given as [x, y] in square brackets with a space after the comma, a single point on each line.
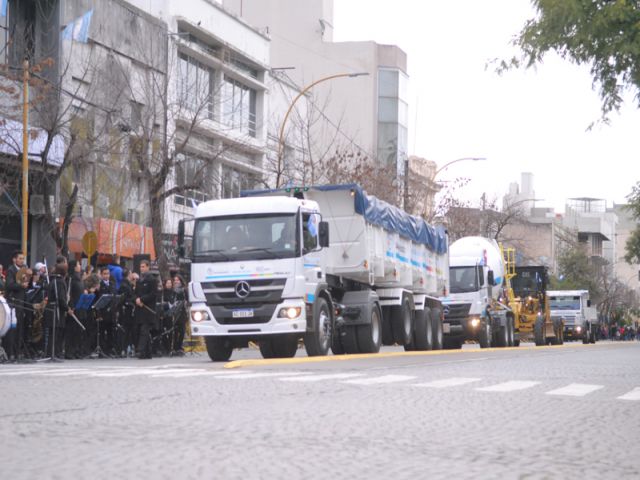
[290, 312]
[199, 316]
[475, 322]
[578, 329]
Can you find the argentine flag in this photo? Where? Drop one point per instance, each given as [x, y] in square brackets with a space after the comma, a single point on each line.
[78, 30]
[3, 8]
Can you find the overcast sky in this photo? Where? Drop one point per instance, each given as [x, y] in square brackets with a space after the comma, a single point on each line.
[523, 121]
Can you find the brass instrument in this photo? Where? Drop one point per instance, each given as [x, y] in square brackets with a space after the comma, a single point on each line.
[23, 276]
[37, 328]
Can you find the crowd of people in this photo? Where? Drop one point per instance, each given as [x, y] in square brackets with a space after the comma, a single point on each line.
[72, 313]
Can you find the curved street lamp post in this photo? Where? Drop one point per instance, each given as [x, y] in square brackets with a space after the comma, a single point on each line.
[290, 109]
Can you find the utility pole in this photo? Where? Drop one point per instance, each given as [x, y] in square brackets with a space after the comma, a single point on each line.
[405, 201]
[25, 155]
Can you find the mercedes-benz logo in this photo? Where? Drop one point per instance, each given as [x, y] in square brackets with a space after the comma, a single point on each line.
[243, 289]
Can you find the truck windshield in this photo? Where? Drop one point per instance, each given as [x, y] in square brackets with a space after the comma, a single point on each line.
[463, 279]
[564, 303]
[245, 237]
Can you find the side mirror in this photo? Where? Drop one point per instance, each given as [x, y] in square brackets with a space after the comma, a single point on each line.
[180, 249]
[323, 233]
[490, 279]
[588, 303]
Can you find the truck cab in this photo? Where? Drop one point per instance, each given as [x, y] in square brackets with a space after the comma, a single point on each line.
[257, 268]
[573, 307]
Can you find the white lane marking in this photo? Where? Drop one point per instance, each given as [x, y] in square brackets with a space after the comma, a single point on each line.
[243, 376]
[44, 371]
[380, 380]
[509, 386]
[447, 382]
[575, 390]
[193, 373]
[319, 378]
[142, 371]
[632, 395]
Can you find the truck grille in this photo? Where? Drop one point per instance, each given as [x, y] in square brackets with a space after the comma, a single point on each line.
[263, 297]
[456, 310]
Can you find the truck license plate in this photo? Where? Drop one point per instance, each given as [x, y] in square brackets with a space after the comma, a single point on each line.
[446, 328]
[246, 313]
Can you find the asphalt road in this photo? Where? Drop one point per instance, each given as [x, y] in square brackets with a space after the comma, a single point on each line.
[548, 412]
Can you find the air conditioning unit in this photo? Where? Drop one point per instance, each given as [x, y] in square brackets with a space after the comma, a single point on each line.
[36, 204]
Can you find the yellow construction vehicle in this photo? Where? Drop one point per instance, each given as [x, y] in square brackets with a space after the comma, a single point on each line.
[526, 292]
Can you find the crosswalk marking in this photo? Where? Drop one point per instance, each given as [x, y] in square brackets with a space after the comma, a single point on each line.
[575, 390]
[509, 386]
[319, 378]
[447, 382]
[380, 380]
[632, 395]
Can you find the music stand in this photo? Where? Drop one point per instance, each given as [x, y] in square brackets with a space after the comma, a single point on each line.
[103, 303]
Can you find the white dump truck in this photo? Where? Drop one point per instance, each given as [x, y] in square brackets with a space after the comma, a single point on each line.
[264, 270]
[573, 307]
[474, 309]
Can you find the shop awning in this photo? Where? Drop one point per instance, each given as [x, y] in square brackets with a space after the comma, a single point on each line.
[114, 237]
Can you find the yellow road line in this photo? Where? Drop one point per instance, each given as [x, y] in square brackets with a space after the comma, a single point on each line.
[361, 356]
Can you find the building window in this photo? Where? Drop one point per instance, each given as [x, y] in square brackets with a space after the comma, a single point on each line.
[195, 86]
[191, 171]
[234, 181]
[239, 106]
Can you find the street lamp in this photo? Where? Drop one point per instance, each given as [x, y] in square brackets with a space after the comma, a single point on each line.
[471, 159]
[286, 116]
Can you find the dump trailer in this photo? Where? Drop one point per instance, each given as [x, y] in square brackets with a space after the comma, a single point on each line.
[265, 270]
[473, 310]
[573, 308]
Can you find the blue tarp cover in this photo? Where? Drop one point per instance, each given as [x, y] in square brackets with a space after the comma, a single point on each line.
[379, 212]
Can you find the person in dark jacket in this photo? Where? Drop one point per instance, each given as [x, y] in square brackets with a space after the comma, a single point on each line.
[179, 314]
[73, 339]
[127, 312]
[106, 315]
[55, 314]
[146, 292]
[15, 292]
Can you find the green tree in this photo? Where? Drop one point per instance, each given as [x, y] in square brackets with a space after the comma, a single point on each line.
[577, 273]
[604, 34]
[632, 254]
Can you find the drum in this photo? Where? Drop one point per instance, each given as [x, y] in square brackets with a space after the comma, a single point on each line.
[7, 317]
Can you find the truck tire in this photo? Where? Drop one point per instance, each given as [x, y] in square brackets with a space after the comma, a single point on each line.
[484, 336]
[594, 334]
[538, 332]
[317, 342]
[284, 346]
[436, 328]
[422, 332]
[402, 322]
[370, 336]
[586, 337]
[336, 343]
[558, 334]
[512, 331]
[218, 348]
[349, 340]
[502, 335]
[387, 334]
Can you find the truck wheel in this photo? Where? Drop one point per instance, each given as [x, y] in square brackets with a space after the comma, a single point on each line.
[317, 343]
[422, 333]
[350, 340]
[594, 334]
[538, 332]
[586, 337]
[484, 336]
[502, 335]
[512, 333]
[218, 348]
[336, 343]
[387, 334]
[370, 335]
[279, 347]
[436, 328]
[401, 322]
[558, 331]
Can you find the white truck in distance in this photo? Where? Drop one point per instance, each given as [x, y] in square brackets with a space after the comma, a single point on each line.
[476, 273]
[263, 270]
[574, 308]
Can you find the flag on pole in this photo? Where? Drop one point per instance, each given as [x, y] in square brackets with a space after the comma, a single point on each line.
[78, 30]
[3, 8]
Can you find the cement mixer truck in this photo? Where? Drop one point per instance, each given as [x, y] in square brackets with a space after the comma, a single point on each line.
[264, 270]
[474, 309]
